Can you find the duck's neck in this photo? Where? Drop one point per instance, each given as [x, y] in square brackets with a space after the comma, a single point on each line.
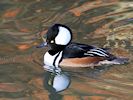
[53, 52]
[56, 50]
[54, 56]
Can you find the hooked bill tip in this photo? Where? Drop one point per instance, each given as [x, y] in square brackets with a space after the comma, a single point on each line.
[42, 45]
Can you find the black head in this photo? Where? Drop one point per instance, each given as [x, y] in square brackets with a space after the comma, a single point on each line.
[58, 36]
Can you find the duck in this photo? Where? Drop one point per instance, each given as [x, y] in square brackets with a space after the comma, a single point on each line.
[65, 53]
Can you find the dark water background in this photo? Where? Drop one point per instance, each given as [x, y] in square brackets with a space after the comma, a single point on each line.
[104, 23]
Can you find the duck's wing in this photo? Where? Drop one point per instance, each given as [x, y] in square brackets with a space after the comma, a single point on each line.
[83, 50]
[77, 50]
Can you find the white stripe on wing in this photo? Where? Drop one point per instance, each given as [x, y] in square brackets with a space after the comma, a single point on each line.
[96, 53]
[100, 52]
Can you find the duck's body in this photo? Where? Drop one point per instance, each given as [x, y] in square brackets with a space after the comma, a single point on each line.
[63, 52]
[82, 55]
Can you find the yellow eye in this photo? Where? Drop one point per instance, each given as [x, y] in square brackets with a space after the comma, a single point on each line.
[52, 41]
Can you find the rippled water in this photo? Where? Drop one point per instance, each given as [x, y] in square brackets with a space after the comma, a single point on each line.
[104, 23]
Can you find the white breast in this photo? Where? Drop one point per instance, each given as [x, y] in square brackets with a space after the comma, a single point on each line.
[50, 60]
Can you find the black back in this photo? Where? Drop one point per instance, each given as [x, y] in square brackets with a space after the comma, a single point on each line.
[76, 50]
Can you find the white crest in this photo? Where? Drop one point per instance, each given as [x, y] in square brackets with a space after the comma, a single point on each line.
[63, 37]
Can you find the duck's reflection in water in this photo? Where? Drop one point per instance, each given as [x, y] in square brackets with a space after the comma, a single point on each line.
[55, 81]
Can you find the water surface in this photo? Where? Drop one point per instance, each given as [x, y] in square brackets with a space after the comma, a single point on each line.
[104, 23]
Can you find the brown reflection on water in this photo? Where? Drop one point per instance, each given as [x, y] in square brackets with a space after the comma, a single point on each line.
[104, 23]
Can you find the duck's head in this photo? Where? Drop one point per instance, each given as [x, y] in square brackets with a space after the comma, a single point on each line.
[58, 36]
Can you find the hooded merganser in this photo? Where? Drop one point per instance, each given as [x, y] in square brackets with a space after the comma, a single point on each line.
[65, 53]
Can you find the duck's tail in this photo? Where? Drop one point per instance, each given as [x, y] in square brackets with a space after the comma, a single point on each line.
[116, 60]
